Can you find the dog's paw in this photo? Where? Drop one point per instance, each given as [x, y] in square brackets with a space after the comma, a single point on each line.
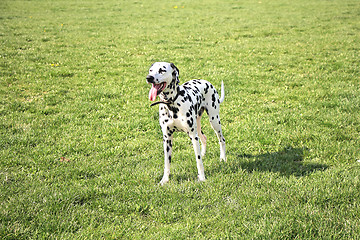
[222, 158]
[164, 181]
[201, 178]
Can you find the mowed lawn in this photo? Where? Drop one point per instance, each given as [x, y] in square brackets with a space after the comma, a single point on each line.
[81, 149]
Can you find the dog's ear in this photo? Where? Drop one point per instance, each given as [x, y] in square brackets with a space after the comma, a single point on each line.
[175, 72]
[175, 68]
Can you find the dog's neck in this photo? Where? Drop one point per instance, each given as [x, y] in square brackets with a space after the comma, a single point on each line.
[171, 92]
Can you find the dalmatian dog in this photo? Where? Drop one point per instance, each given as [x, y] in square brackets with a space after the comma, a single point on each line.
[181, 108]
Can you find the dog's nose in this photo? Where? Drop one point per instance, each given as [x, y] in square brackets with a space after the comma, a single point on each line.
[150, 79]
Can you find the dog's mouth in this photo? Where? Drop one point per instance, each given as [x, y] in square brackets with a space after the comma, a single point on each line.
[156, 89]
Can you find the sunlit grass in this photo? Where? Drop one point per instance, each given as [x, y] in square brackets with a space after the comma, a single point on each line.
[81, 150]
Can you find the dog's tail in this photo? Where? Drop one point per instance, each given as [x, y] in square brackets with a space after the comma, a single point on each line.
[222, 92]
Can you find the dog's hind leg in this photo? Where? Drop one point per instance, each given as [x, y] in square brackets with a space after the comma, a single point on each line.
[202, 136]
[216, 125]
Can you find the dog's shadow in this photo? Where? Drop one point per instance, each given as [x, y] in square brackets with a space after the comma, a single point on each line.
[286, 162]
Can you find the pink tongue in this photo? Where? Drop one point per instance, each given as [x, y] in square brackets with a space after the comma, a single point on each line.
[152, 93]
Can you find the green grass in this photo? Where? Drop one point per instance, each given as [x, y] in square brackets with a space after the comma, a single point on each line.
[81, 150]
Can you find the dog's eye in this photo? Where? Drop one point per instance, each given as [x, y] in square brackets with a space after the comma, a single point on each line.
[161, 71]
[150, 70]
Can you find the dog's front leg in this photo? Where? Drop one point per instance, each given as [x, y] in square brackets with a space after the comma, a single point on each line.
[200, 166]
[167, 141]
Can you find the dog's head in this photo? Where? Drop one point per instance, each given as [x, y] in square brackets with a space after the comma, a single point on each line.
[163, 77]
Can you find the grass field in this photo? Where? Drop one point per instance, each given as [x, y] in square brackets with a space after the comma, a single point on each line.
[81, 150]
